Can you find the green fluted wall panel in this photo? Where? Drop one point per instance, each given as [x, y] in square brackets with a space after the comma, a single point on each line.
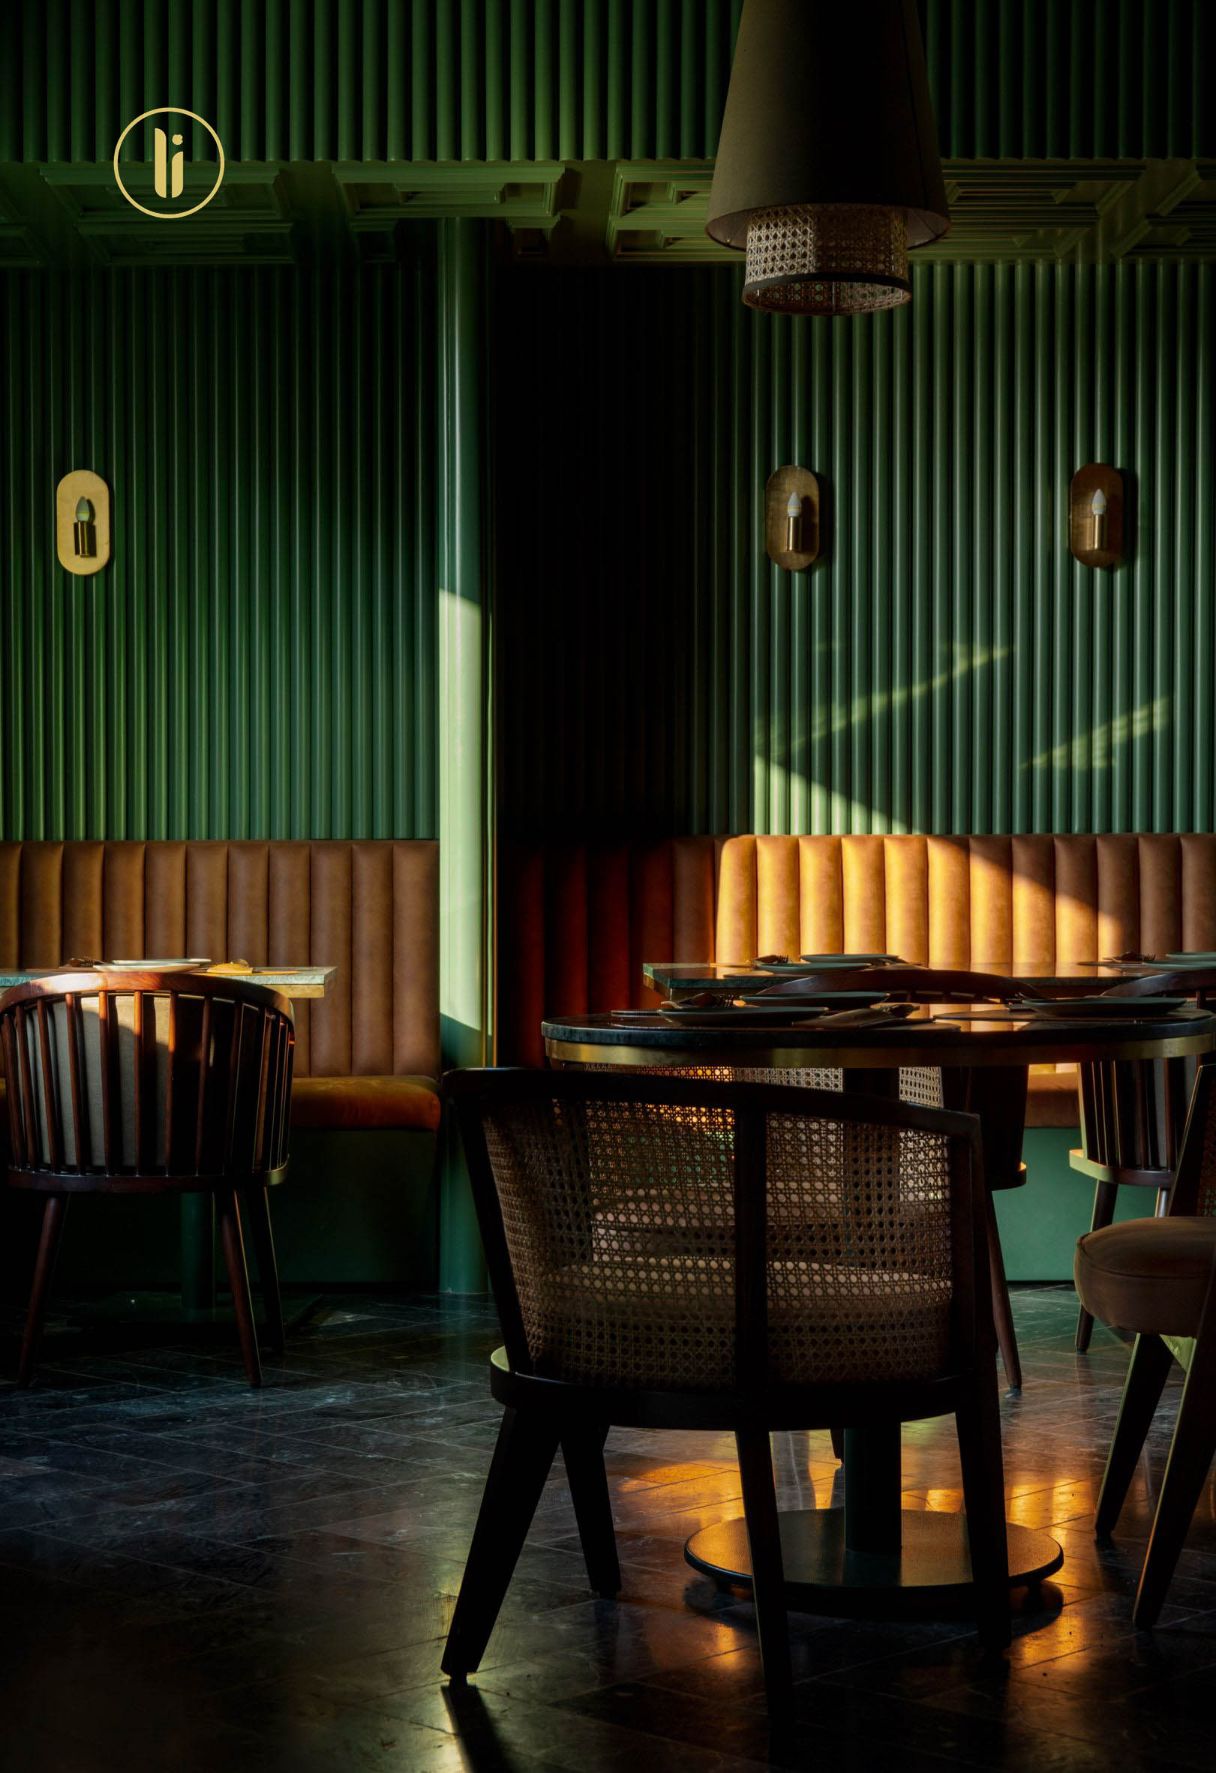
[572, 79]
[947, 665]
[258, 658]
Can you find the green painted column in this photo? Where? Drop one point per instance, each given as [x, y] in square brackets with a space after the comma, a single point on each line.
[464, 725]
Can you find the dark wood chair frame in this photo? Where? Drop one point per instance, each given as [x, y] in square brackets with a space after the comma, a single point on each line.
[542, 1413]
[217, 1118]
[1194, 1442]
[1124, 1143]
[1129, 1138]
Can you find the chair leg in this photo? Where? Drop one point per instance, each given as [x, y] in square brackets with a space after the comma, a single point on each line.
[257, 1207]
[768, 1572]
[1105, 1196]
[523, 1457]
[1190, 1460]
[50, 1237]
[979, 1443]
[233, 1242]
[583, 1451]
[1002, 1311]
[1146, 1376]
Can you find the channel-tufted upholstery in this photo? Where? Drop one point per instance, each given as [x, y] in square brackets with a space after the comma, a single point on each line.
[576, 922]
[368, 1053]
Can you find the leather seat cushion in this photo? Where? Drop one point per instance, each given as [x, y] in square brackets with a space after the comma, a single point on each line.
[1051, 1097]
[1150, 1275]
[345, 1104]
[357, 1104]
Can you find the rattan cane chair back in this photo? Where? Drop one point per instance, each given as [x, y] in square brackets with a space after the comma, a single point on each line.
[657, 1232]
[1194, 1190]
[170, 1079]
[920, 1084]
[917, 1083]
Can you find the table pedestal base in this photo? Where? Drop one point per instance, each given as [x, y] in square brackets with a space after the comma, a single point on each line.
[930, 1572]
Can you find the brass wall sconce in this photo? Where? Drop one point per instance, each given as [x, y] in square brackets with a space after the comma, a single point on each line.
[791, 518]
[82, 522]
[1095, 515]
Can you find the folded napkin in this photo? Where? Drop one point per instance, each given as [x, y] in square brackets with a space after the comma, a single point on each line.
[1153, 986]
[873, 1016]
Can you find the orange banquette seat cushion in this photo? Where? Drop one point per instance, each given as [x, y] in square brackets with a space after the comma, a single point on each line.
[367, 1054]
[577, 921]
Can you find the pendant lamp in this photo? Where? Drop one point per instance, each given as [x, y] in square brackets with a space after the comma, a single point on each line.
[827, 169]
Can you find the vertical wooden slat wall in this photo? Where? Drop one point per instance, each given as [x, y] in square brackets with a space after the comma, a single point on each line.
[259, 657]
[572, 79]
[947, 665]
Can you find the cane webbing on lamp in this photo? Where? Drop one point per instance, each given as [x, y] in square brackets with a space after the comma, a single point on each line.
[827, 258]
[827, 168]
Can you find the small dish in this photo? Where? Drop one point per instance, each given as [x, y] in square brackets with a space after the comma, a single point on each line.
[176, 964]
[846, 960]
[774, 1015]
[812, 1000]
[1097, 1009]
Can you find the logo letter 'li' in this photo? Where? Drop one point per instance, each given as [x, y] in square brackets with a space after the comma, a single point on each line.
[168, 182]
[160, 177]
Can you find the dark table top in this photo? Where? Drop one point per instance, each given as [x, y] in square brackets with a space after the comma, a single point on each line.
[950, 1035]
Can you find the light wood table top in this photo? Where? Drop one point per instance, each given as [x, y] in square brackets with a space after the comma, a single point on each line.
[293, 982]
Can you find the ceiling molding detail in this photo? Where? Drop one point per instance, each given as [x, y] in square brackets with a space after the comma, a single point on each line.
[999, 211]
[636, 212]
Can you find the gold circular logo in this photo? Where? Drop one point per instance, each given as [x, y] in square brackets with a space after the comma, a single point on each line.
[169, 166]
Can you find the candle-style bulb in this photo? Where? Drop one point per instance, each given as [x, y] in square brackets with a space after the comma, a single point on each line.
[1098, 504]
[84, 535]
[793, 524]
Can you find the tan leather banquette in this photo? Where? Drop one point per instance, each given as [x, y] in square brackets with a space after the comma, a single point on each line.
[367, 1055]
[581, 919]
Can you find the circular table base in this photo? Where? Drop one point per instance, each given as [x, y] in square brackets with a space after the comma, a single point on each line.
[932, 1569]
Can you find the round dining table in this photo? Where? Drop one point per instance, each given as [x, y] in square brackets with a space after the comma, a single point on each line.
[873, 1556]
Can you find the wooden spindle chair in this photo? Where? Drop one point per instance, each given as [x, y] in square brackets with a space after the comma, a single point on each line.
[151, 1083]
[824, 1263]
[1157, 1277]
[1132, 1113]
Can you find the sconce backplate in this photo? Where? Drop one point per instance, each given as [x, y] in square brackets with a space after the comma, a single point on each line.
[82, 483]
[777, 492]
[1096, 477]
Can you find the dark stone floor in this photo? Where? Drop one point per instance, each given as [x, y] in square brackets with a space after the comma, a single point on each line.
[194, 1576]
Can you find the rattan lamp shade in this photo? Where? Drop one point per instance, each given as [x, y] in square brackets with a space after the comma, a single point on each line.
[827, 169]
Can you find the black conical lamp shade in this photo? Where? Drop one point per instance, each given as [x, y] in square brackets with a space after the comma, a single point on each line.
[828, 168]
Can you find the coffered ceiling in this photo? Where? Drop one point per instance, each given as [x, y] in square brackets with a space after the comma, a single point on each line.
[628, 211]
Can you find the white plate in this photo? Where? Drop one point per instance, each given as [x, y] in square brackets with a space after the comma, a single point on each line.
[175, 965]
[1100, 1009]
[845, 960]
